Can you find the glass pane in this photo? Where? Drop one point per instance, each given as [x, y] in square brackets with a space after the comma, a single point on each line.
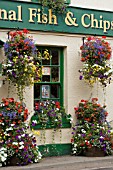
[46, 78]
[55, 74]
[45, 91]
[55, 57]
[54, 91]
[36, 91]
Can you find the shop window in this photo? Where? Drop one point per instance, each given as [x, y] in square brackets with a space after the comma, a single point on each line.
[51, 85]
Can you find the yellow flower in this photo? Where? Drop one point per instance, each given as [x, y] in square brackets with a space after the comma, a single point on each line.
[36, 132]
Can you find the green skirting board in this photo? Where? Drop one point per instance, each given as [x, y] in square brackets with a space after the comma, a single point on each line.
[55, 149]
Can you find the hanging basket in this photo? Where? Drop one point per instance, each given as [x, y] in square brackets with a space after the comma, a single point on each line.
[94, 152]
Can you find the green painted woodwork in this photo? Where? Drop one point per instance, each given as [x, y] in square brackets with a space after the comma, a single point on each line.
[65, 123]
[75, 21]
[59, 83]
[55, 149]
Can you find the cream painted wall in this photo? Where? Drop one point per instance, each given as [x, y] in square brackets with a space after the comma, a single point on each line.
[95, 4]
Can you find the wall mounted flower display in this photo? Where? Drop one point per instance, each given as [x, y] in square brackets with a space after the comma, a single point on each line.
[95, 54]
[17, 146]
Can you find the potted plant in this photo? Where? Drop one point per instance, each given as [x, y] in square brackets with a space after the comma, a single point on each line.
[91, 133]
[17, 146]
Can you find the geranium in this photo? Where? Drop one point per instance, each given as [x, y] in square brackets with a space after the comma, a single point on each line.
[12, 111]
[48, 112]
[95, 53]
[90, 111]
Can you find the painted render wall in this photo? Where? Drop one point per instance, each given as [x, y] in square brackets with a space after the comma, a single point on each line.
[74, 89]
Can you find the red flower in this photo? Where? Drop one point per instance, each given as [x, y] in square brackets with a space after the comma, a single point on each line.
[25, 31]
[72, 140]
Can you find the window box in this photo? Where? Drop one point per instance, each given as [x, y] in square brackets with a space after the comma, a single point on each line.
[65, 123]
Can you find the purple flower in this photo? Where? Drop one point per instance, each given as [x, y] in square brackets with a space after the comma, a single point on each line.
[81, 77]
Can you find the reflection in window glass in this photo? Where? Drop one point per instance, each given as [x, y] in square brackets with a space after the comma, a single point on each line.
[46, 78]
[36, 91]
[55, 74]
[54, 91]
[55, 57]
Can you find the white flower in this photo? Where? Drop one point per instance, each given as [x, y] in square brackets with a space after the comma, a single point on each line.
[75, 145]
[57, 108]
[34, 121]
[23, 135]
[30, 135]
[12, 124]
[21, 147]
[9, 129]
[101, 137]
[15, 143]
[21, 143]
[3, 158]
[83, 131]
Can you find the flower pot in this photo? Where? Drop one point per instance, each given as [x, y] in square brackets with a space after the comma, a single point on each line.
[94, 152]
[13, 161]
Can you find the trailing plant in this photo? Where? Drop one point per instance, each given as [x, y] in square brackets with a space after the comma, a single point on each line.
[95, 54]
[21, 66]
[92, 129]
[49, 112]
[17, 146]
[56, 5]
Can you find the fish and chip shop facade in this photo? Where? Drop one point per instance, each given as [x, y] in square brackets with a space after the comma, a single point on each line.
[62, 35]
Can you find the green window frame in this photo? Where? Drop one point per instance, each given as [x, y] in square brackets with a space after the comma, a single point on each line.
[51, 85]
[67, 1]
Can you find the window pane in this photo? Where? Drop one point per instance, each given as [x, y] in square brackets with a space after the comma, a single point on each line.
[55, 74]
[46, 78]
[46, 91]
[55, 57]
[54, 91]
[36, 91]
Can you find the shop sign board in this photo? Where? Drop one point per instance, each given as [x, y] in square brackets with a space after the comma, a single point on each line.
[18, 14]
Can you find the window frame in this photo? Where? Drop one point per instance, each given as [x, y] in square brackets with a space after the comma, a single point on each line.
[60, 83]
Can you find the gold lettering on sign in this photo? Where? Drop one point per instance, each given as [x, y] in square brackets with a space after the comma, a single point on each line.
[4, 13]
[52, 18]
[19, 13]
[83, 20]
[32, 14]
[12, 15]
[69, 20]
[94, 22]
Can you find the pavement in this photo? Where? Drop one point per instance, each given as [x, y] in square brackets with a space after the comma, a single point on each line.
[68, 162]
